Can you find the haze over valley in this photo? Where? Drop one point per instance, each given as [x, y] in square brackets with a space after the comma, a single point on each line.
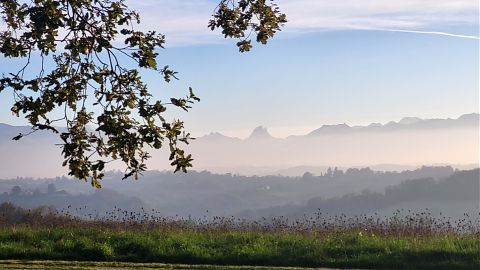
[334, 169]
[405, 144]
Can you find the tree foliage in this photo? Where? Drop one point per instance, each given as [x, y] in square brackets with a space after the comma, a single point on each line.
[91, 60]
[241, 19]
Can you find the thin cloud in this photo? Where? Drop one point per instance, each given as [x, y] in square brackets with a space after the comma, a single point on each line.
[183, 22]
[426, 33]
[409, 15]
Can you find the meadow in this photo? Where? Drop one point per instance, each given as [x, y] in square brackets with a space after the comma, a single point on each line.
[411, 241]
[76, 265]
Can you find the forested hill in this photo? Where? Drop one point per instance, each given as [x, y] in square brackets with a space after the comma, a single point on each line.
[202, 193]
[454, 196]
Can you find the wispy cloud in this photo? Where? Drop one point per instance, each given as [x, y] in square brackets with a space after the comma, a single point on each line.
[379, 13]
[425, 33]
[185, 22]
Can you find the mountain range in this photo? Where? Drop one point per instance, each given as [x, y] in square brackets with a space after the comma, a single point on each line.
[410, 142]
[405, 124]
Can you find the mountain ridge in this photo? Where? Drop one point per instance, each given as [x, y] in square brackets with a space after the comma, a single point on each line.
[336, 129]
[429, 141]
[261, 132]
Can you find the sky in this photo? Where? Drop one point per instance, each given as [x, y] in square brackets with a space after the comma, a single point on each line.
[346, 61]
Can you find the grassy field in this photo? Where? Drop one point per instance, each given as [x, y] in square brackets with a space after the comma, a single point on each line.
[346, 250]
[410, 242]
[77, 265]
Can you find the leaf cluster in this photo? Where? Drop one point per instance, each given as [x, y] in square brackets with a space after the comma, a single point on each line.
[240, 19]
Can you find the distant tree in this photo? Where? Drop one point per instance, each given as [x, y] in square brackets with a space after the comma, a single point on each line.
[16, 190]
[307, 175]
[337, 172]
[329, 172]
[87, 74]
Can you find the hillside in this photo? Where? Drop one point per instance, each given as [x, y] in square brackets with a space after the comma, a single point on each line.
[204, 194]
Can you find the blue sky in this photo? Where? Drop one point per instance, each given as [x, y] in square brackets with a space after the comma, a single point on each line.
[337, 61]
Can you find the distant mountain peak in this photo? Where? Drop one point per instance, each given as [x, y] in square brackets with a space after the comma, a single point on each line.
[409, 120]
[331, 129]
[260, 132]
[470, 116]
[334, 127]
[216, 136]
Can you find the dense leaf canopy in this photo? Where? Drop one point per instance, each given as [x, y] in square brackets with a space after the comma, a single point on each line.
[91, 60]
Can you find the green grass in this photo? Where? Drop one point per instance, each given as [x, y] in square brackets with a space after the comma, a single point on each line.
[71, 265]
[343, 250]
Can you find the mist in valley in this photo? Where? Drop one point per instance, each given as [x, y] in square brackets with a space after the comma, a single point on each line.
[413, 164]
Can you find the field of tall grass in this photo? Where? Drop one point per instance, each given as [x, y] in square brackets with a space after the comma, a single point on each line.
[407, 241]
